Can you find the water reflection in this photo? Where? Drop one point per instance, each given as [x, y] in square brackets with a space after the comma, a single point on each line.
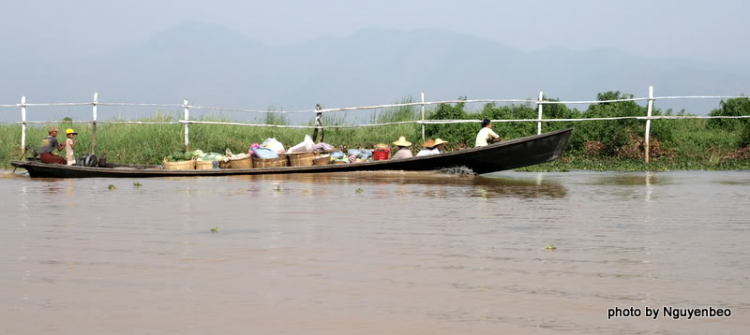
[436, 185]
[631, 179]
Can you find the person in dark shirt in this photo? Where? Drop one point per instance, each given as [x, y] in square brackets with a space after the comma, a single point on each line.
[49, 144]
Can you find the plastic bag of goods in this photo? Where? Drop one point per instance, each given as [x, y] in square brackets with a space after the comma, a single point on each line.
[264, 153]
[212, 156]
[305, 146]
[250, 150]
[352, 152]
[273, 144]
[364, 154]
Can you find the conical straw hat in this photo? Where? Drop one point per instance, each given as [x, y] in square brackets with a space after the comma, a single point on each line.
[440, 141]
[402, 142]
[429, 143]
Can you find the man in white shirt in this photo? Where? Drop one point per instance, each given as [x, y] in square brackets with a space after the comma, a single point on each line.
[439, 146]
[485, 134]
[428, 150]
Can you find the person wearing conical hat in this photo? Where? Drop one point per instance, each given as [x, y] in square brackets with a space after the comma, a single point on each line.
[428, 150]
[403, 149]
[439, 146]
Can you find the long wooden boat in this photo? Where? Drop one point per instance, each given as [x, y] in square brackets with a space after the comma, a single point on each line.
[501, 156]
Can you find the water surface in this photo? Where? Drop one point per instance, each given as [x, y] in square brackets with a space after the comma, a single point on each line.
[374, 253]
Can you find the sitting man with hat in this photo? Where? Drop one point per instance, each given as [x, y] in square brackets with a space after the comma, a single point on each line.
[403, 149]
[439, 146]
[432, 147]
[70, 144]
[429, 148]
[49, 144]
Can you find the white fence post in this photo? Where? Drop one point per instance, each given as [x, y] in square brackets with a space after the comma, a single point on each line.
[423, 116]
[539, 124]
[648, 121]
[93, 123]
[23, 124]
[187, 125]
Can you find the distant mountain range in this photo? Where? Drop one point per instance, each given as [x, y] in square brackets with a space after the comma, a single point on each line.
[211, 65]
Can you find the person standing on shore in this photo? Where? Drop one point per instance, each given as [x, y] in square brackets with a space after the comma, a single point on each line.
[70, 144]
[49, 144]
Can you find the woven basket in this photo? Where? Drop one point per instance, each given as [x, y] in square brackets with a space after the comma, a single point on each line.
[322, 160]
[301, 159]
[244, 163]
[223, 164]
[270, 162]
[182, 165]
[340, 162]
[204, 165]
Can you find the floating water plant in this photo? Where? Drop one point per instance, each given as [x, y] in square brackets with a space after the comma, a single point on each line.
[111, 187]
[137, 184]
[278, 188]
[359, 190]
[215, 230]
[550, 247]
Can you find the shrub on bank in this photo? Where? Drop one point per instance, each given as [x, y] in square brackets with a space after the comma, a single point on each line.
[731, 107]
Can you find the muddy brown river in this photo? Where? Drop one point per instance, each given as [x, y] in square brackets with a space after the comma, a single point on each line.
[377, 253]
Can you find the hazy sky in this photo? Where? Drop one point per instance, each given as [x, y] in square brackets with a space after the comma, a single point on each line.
[711, 31]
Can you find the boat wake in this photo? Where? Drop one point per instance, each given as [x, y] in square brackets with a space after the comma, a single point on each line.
[458, 170]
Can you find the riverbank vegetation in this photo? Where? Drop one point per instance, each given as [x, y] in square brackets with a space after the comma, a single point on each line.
[688, 144]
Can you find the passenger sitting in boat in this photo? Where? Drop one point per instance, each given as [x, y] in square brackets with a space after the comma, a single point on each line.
[439, 146]
[403, 149]
[486, 134]
[49, 144]
[429, 149]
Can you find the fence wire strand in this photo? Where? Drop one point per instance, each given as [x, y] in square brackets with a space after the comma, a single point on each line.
[398, 105]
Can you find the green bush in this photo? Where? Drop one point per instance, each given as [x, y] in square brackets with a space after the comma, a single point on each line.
[745, 136]
[455, 133]
[508, 130]
[612, 133]
[731, 107]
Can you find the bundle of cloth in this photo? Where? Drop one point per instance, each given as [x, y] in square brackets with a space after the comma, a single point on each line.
[339, 156]
[231, 156]
[359, 155]
[270, 148]
[323, 147]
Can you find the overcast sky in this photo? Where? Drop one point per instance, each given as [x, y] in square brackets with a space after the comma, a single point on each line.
[711, 31]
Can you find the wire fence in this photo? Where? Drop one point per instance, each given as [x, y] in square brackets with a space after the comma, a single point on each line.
[318, 112]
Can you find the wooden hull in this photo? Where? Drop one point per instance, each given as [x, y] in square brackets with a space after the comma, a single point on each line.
[506, 155]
